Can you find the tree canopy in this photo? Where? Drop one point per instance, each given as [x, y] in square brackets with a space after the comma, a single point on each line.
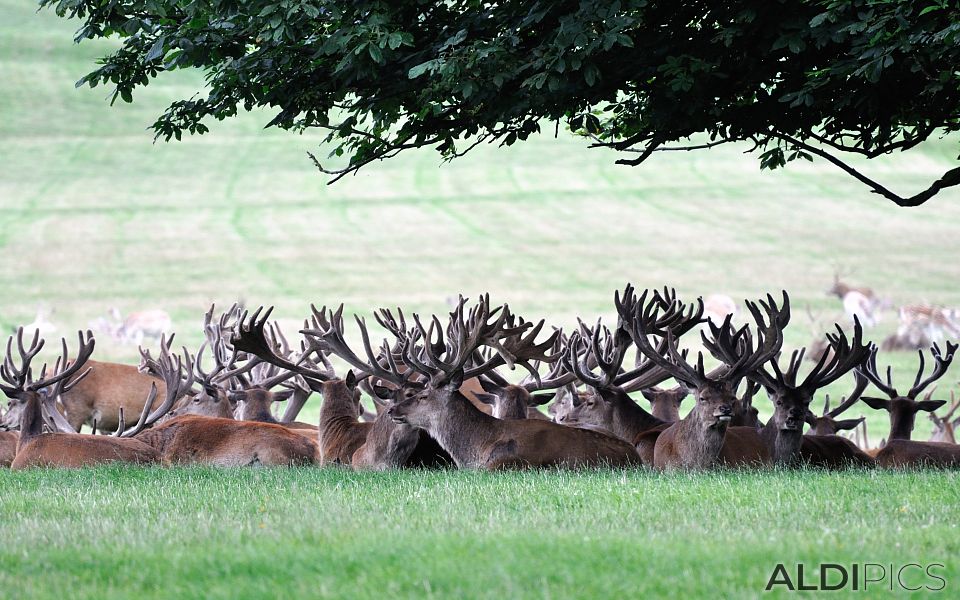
[798, 79]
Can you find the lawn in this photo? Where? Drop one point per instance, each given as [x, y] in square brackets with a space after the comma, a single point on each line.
[280, 533]
[94, 215]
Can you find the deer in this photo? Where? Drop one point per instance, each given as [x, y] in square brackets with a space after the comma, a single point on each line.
[703, 439]
[343, 439]
[37, 448]
[783, 434]
[860, 302]
[900, 450]
[519, 401]
[472, 438]
[944, 427]
[8, 442]
[137, 326]
[717, 307]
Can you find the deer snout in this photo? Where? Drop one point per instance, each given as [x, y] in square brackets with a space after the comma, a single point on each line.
[724, 412]
[795, 419]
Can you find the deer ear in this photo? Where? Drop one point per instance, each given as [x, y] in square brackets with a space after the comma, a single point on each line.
[488, 386]
[485, 397]
[539, 399]
[282, 396]
[876, 403]
[381, 393]
[350, 380]
[848, 423]
[649, 394]
[236, 396]
[930, 405]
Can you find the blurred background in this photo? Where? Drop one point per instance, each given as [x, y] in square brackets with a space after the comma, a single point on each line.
[99, 223]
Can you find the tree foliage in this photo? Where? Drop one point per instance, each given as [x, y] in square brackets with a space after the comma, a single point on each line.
[798, 79]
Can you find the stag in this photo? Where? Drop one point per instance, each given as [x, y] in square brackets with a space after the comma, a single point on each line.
[704, 437]
[828, 423]
[64, 447]
[900, 450]
[477, 440]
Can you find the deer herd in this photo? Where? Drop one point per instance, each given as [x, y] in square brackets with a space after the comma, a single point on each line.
[443, 399]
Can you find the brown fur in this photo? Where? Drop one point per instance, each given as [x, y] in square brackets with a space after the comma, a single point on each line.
[479, 441]
[8, 447]
[833, 452]
[228, 443]
[910, 454]
[340, 433]
[99, 396]
[73, 450]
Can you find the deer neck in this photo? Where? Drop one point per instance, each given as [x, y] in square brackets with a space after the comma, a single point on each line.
[901, 424]
[338, 404]
[390, 444]
[31, 421]
[463, 431]
[784, 445]
[629, 418]
[256, 411]
[512, 403]
[699, 441]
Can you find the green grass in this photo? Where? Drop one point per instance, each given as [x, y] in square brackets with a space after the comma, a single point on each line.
[191, 533]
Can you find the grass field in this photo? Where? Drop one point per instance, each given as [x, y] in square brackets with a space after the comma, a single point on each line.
[93, 215]
[197, 533]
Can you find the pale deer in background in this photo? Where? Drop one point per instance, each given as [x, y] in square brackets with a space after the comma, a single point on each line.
[135, 327]
[717, 307]
[861, 303]
[41, 324]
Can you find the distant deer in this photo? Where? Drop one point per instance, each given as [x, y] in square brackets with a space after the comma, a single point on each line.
[944, 427]
[900, 450]
[472, 438]
[717, 307]
[41, 324]
[137, 326]
[861, 303]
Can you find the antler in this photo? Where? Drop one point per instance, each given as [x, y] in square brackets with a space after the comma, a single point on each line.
[869, 370]
[558, 375]
[327, 334]
[641, 318]
[939, 369]
[249, 336]
[171, 372]
[845, 403]
[467, 333]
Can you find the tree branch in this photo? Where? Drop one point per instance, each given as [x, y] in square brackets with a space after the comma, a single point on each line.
[949, 179]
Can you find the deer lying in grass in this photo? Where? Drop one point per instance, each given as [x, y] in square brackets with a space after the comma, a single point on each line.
[900, 450]
[783, 433]
[36, 448]
[827, 423]
[8, 443]
[343, 439]
[703, 438]
[477, 440]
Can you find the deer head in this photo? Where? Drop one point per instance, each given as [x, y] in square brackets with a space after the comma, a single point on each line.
[904, 408]
[26, 393]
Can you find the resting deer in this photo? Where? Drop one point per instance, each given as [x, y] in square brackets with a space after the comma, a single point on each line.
[900, 450]
[703, 438]
[36, 448]
[477, 440]
[8, 443]
[137, 326]
[783, 433]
